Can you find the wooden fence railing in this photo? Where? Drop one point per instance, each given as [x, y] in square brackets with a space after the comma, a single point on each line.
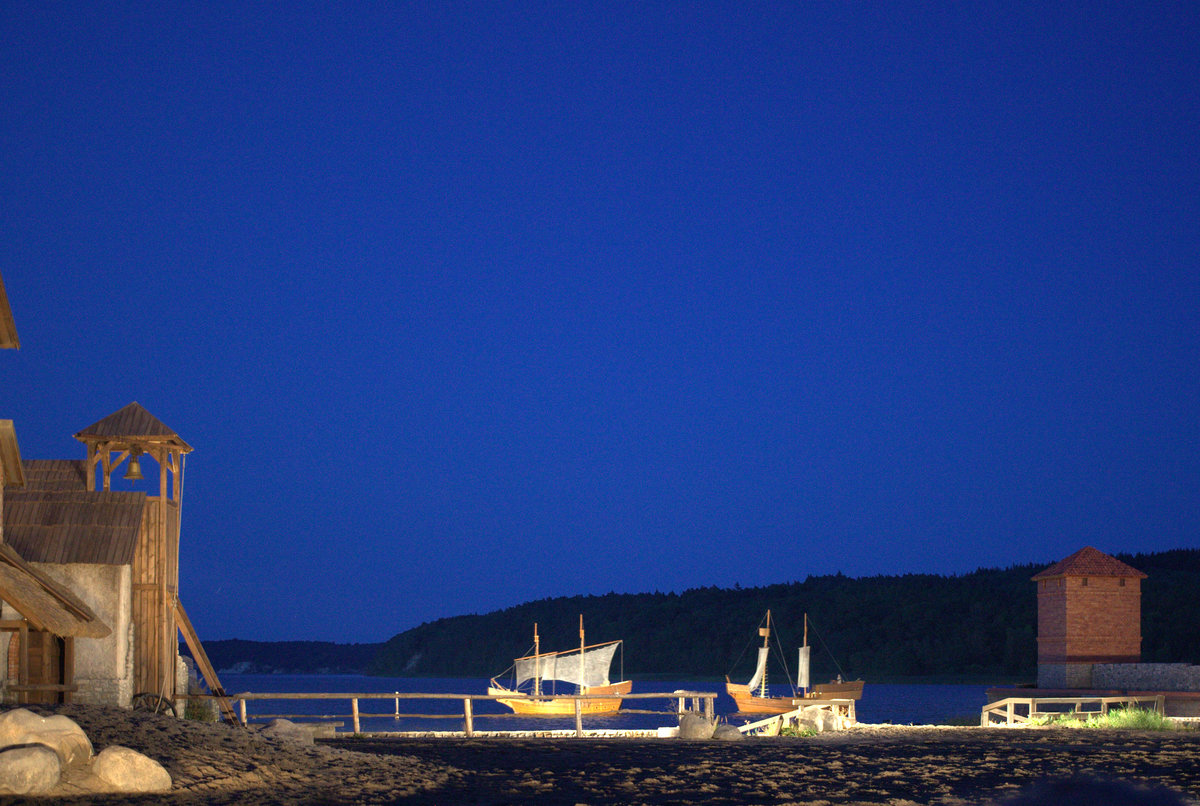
[1022, 710]
[467, 715]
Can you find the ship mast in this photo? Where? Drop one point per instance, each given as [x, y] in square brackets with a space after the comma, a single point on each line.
[537, 662]
[582, 659]
[765, 632]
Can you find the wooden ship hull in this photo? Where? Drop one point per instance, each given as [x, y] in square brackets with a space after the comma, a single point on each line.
[751, 703]
[566, 707]
[833, 690]
[586, 669]
[748, 703]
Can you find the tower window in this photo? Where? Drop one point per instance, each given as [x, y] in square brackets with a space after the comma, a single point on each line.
[1085, 582]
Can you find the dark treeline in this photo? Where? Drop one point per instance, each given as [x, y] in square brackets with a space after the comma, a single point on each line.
[982, 624]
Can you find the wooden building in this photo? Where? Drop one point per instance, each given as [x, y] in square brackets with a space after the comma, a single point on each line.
[127, 435]
[86, 542]
[44, 620]
[117, 550]
[1089, 612]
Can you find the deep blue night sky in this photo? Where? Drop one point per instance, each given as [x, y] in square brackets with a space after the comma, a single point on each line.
[467, 304]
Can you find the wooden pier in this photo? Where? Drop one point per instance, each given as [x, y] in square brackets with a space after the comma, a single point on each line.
[1024, 710]
[699, 701]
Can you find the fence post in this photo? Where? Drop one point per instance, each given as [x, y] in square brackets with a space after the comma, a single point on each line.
[397, 704]
[242, 709]
[708, 708]
[354, 713]
[578, 718]
[469, 721]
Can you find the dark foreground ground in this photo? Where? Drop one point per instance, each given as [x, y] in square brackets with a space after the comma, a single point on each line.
[216, 764]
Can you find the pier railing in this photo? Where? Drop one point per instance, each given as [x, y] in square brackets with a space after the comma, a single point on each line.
[1023, 710]
[683, 700]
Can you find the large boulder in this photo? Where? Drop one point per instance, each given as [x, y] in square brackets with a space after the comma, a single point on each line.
[127, 770]
[30, 769]
[287, 731]
[819, 719]
[695, 726]
[728, 733]
[22, 726]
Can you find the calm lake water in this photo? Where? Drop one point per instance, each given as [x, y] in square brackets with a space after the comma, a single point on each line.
[900, 704]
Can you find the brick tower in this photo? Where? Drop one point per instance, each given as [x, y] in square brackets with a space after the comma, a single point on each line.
[1089, 611]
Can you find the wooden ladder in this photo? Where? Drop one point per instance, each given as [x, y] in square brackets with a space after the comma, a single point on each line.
[204, 664]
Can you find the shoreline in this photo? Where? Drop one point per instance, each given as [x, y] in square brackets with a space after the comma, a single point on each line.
[214, 763]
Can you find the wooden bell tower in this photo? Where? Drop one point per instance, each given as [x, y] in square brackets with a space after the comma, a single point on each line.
[127, 436]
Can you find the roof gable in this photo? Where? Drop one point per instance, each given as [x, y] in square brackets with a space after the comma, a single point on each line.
[132, 423]
[1090, 562]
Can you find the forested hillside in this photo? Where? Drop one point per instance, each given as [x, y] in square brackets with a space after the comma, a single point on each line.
[982, 623]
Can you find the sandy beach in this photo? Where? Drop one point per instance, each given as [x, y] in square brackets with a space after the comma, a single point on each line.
[218, 764]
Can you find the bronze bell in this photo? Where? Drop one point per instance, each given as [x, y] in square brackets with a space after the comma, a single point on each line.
[134, 471]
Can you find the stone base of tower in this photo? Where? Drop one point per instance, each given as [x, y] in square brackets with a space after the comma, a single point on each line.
[1065, 675]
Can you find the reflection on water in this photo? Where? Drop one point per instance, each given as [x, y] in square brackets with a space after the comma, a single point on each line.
[896, 703]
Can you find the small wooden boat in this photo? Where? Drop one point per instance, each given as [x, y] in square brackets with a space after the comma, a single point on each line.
[587, 668]
[750, 701]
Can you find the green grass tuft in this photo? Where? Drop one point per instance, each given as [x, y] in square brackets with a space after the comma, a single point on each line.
[1115, 719]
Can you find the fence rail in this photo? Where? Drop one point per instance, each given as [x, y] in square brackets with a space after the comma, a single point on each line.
[685, 700]
[1023, 710]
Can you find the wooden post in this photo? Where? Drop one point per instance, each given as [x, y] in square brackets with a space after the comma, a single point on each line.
[354, 713]
[23, 667]
[708, 708]
[68, 667]
[468, 718]
[578, 718]
[397, 704]
[242, 708]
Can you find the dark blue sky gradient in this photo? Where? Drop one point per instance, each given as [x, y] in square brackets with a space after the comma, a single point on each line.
[467, 304]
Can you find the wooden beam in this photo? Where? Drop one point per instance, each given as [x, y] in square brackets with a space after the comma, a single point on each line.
[204, 664]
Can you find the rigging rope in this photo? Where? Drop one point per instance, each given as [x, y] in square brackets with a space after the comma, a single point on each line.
[828, 651]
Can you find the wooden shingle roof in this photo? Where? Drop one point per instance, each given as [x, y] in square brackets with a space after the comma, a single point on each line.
[1090, 562]
[74, 526]
[44, 603]
[8, 328]
[55, 474]
[132, 424]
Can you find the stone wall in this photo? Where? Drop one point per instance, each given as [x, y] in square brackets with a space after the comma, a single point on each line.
[1146, 676]
[103, 666]
[1065, 675]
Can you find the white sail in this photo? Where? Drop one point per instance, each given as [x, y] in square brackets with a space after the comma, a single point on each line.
[566, 666]
[802, 672]
[761, 669]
